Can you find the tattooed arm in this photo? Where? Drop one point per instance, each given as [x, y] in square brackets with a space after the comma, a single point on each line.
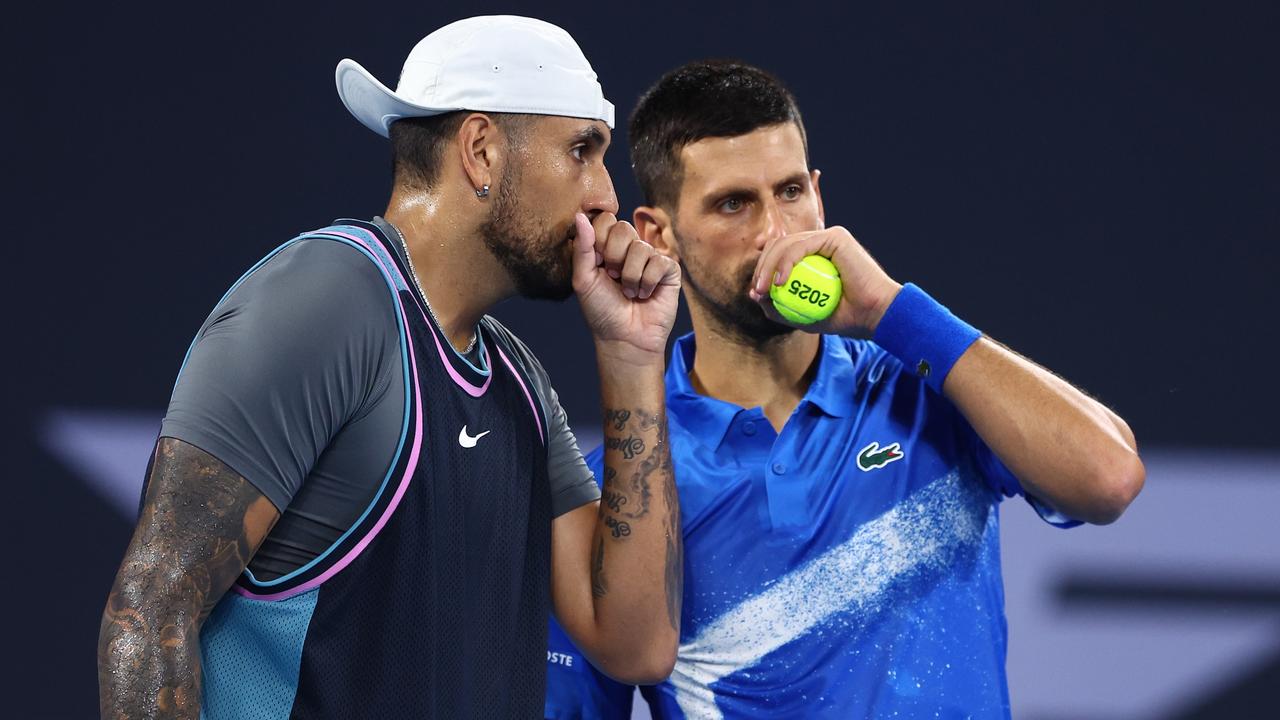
[618, 567]
[628, 620]
[200, 524]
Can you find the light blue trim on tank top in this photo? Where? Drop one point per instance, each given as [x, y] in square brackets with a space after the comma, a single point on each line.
[404, 426]
[479, 353]
[404, 361]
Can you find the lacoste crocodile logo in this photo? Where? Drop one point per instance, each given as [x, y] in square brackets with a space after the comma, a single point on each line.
[873, 456]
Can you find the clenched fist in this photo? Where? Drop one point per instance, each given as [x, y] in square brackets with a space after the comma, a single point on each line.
[628, 291]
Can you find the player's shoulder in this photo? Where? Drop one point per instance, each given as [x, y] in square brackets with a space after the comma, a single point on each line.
[869, 361]
[520, 351]
[317, 257]
[874, 367]
[502, 331]
[313, 280]
[308, 258]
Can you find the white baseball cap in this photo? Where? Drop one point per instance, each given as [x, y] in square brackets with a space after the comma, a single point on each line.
[495, 63]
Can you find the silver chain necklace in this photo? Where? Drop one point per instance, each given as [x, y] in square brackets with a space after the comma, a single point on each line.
[414, 272]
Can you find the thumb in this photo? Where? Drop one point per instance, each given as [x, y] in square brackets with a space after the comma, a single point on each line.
[584, 250]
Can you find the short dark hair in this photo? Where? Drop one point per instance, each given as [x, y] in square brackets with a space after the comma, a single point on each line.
[417, 143]
[707, 98]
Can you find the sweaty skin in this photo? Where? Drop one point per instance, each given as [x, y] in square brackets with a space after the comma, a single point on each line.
[200, 524]
[616, 579]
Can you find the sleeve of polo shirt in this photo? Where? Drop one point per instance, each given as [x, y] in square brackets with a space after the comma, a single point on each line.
[296, 349]
[1002, 480]
[572, 484]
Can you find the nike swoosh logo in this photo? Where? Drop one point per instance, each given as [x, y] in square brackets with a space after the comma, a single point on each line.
[469, 441]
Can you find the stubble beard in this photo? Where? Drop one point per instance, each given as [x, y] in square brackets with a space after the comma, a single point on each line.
[734, 313]
[538, 260]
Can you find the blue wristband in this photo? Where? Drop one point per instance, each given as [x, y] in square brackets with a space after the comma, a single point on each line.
[924, 335]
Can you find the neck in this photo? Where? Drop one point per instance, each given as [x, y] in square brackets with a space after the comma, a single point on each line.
[773, 376]
[447, 253]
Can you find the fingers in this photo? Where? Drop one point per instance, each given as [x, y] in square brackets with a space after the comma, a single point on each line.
[788, 258]
[634, 263]
[638, 255]
[645, 269]
[766, 270]
[783, 254]
[660, 270]
[613, 239]
[585, 257]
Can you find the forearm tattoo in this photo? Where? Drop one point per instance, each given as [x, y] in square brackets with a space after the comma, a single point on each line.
[200, 524]
[599, 587]
[641, 456]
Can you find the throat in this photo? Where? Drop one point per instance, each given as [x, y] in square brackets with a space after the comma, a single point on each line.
[774, 379]
[445, 275]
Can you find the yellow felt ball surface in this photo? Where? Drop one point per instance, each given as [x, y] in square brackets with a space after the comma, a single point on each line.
[811, 292]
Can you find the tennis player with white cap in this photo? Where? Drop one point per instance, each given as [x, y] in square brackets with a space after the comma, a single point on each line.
[380, 473]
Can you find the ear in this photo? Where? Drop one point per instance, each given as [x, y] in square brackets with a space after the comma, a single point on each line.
[654, 226]
[480, 150]
[814, 175]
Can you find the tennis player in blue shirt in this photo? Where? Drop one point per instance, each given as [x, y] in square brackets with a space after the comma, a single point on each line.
[839, 485]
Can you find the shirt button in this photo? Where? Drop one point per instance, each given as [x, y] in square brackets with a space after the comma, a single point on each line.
[748, 428]
[779, 469]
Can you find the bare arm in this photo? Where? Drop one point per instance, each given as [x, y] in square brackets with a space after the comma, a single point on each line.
[627, 618]
[200, 524]
[1066, 448]
[618, 566]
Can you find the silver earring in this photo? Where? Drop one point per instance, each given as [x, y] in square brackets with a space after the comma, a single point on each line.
[483, 192]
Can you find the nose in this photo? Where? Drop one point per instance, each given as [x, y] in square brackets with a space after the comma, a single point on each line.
[774, 223]
[600, 195]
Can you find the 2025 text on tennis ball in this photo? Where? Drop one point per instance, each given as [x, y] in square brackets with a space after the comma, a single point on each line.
[811, 292]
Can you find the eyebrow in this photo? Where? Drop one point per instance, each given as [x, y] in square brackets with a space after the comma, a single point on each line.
[591, 135]
[797, 178]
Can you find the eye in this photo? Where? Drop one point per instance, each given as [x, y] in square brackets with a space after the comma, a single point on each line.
[792, 192]
[732, 205]
[579, 152]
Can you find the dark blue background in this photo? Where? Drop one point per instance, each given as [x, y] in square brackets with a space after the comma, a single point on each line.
[1094, 184]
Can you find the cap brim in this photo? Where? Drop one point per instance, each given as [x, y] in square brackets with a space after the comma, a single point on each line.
[373, 103]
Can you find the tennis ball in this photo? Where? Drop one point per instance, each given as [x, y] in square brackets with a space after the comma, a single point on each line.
[811, 293]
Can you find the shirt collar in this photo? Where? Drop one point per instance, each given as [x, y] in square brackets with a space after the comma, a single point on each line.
[833, 388]
[831, 392]
[705, 416]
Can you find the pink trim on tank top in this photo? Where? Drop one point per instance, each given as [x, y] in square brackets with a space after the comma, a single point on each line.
[536, 415]
[472, 390]
[354, 552]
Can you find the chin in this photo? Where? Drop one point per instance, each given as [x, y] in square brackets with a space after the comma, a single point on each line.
[547, 292]
[738, 316]
[760, 335]
[540, 284]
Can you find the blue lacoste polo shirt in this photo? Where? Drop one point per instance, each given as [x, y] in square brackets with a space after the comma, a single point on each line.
[848, 566]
